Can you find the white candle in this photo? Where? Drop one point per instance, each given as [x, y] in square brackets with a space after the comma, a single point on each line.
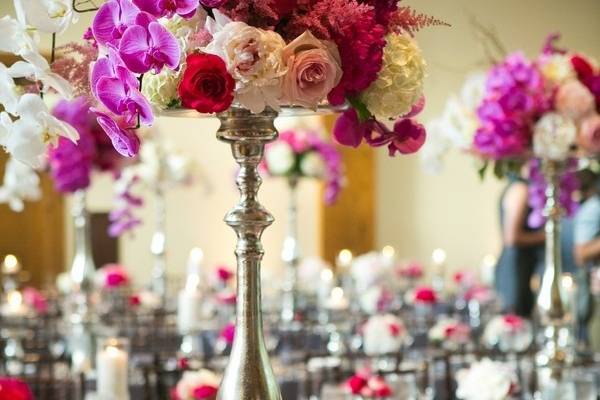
[337, 301]
[112, 371]
[14, 306]
[389, 255]
[439, 263]
[344, 260]
[325, 285]
[189, 302]
[10, 265]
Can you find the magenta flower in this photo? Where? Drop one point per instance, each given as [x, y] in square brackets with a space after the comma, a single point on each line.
[124, 100]
[144, 49]
[125, 141]
[409, 137]
[205, 392]
[348, 130]
[111, 66]
[168, 8]
[14, 389]
[113, 18]
[228, 333]
[35, 299]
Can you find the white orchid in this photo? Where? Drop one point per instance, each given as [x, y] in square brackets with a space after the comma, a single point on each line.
[15, 38]
[9, 94]
[21, 183]
[36, 68]
[49, 16]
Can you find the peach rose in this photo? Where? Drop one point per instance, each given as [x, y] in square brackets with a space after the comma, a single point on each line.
[574, 100]
[314, 69]
[589, 134]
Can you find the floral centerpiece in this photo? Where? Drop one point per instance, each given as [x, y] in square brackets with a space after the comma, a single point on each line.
[510, 333]
[366, 385]
[449, 333]
[112, 276]
[214, 55]
[487, 380]
[196, 385]
[304, 154]
[546, 107]
[384, 334]
[14, 389]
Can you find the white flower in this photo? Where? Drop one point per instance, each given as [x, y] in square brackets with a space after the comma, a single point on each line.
[280, 158]
[309, 272]
[369, 269]
[36, 68]
[194, 379]
[149, 300]
[557, 68]
[553, 137]
[184, 28]
[254, 57]
[400, 82]
[26, 139]
[384, 334]
[161, 89]
[515, 336]
[486, 380]
[21, 183]
[50, 16]
[449, 331]
[9, 94]
[14, 37]
[313, 165]
[369, 299]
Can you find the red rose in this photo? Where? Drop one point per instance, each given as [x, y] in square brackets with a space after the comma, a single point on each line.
[425, 295]
[205, 392]
[582, 67]
[14, 389]
[206, 85]
[356, 384]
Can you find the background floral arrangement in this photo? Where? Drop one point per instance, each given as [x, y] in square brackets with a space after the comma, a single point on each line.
[300, 153]
[509, 332]
[368, 385]
[196, 385]
[384, 334]
[486, 380]
[547, 107]
[211, 55]
[449, 332]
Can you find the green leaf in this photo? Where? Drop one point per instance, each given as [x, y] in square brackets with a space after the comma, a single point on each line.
[499, 169]
[361, 109]
[482, 170]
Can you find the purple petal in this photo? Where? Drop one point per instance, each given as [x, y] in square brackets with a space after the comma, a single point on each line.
[348, 131]
[166, 44]
[124, 141]
[187, 8]
[143, 106]
[101, 68]
[150, 6]
[133, 49]
[112, 93]
[129, 12]
[410, 137]
[105, 22]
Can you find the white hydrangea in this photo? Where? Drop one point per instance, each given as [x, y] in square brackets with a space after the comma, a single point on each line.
[400, 82]
[161, 89]
[486, 380]
[280, 158]
[553, 137]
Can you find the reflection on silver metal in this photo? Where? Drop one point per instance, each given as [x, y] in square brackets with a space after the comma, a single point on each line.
[290, 256]
[248, 375]
[83, 267]
[158, 247]
[551, 302]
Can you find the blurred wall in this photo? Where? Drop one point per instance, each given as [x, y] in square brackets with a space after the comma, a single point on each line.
[454, 210]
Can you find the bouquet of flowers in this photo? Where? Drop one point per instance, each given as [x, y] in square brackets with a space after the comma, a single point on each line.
[366, 385]
[384, 334]
[212, 55]
[196, 385]
[112, 276]
[547, 107]
[450, 333]
[486, 380]
[300, 153]
[510, 333]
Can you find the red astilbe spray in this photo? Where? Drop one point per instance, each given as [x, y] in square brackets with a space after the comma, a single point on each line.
[73, 62]
[410, 21]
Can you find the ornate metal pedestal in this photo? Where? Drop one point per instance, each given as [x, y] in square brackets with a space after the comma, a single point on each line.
[249, 375]
[290, 256]
[555, 316]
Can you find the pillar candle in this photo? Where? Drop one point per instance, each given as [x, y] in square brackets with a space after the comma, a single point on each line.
[112, 371]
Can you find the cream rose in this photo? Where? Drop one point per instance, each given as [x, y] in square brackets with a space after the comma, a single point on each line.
[557, 68]
[314, 69]
[553, 137]
[589, 134]
[574, 100]
[254, 59]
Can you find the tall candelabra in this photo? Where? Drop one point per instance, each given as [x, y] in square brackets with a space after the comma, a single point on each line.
[248, 375]
[554, 314]
[290, 255]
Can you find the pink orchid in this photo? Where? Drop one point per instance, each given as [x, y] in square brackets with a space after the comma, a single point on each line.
[124, 100]
[35, 299]
[143, 49]
[125, 141]
[168, 8]
[113, 18]
[348, 130]
[111, 66]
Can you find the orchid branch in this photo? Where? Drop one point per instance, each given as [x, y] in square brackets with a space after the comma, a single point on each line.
[88, 6]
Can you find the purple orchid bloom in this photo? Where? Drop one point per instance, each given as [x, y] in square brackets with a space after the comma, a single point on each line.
[152, 48]
[348, 130]
[409, 137]
[111, 66]
[125, 141]
[168, 8]
[124, 100]
[112, 20]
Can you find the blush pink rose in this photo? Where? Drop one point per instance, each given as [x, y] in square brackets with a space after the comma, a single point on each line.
[314, 69]
[574, 100]
[589, 134]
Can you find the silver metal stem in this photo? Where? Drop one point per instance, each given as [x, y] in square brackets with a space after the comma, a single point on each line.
[248, 375]
[290, 255]
[551, 302]
[158, 246]
[83, 267]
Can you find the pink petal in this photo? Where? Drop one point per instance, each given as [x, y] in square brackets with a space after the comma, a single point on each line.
[416, 108]
[124, 141]
[133, 49]
[149, 6]
[348, 131]
[105, 22]
[163, 39]
[101, 68]
[411, 137]
[129, 12]
[187, 8]
[111, 92]
[144, 107]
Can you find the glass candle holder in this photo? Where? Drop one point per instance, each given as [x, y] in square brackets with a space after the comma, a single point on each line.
[112, 369]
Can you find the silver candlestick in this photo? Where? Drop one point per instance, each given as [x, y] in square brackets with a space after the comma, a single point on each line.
[158, 247]
[291, 255]
[555, 316]
[249, 375]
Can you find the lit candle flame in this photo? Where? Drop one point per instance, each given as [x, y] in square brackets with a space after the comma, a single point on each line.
[388, 252]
